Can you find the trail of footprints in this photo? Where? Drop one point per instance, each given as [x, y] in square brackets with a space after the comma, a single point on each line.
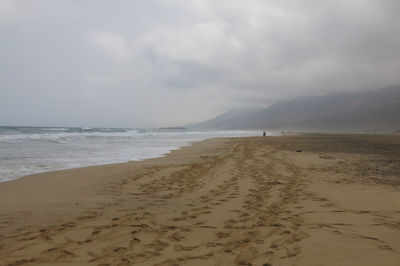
[258, 230]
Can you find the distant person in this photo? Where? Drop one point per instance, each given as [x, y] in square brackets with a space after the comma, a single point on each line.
[264, 134]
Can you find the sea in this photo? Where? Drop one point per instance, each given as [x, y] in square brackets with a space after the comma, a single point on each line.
[29, 150]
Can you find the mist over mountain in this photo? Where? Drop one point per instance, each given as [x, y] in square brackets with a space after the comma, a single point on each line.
[377, 110]
[227, 120]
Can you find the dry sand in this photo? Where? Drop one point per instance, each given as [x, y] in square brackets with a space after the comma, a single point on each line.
[239, 201]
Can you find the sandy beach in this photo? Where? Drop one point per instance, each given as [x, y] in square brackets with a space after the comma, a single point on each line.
[289, 200]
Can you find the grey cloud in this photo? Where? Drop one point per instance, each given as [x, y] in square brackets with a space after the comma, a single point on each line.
[189, 75]
[168, 62]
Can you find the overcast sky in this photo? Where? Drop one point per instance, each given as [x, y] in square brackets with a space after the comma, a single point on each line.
[169, 62]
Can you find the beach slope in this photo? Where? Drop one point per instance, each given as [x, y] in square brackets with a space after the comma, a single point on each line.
[288, 200]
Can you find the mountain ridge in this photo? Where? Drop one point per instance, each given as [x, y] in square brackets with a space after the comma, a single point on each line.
[375, 110]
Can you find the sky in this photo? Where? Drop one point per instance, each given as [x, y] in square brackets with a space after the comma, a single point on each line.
[169, 62]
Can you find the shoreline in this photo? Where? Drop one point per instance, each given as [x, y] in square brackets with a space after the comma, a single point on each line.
[100, 165]
[282, 200]
[44, 151]
[187, 144]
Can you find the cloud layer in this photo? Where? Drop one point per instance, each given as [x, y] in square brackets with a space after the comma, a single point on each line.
[168, 62]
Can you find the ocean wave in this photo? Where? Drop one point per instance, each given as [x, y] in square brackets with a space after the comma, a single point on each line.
[62, 134]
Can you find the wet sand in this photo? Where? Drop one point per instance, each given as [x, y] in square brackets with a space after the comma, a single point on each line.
[289, 200]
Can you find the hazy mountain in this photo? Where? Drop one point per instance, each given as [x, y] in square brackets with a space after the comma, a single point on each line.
[228, 120]
[377, 110]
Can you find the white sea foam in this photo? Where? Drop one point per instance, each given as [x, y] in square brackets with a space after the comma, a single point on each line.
[26, 151]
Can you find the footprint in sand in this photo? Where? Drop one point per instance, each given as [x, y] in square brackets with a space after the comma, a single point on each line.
[176, 237]
[223, 234]
[119, 250]
[95, 232]
[183, 248]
